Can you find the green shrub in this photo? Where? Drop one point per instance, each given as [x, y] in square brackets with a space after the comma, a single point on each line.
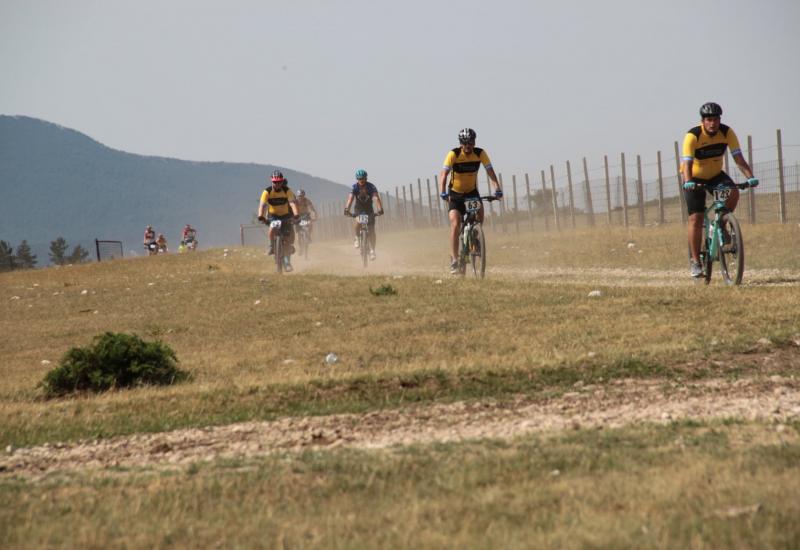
[115, 360]
[383, 290]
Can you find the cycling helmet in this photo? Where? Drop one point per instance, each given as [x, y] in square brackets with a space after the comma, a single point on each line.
[467, 136]
[361, 173]
[710, 109]
[301, 193]
[277, 177]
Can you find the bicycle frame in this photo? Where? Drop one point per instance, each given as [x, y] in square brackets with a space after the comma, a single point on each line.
[713, 235]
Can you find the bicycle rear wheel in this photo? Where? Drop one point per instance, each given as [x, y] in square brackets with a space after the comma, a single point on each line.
[732, 254]
[477, 252]
[302, 243]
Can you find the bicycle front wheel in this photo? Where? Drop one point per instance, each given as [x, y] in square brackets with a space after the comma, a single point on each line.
[363, 240]
[277, 249]
[477, 252]
[706, 261]
[732, 254]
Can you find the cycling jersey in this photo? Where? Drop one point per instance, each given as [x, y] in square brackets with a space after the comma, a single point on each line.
[707, 151]
[364, 195]
[304, 205]
[465, 168]
[149, 236]
[277, 201]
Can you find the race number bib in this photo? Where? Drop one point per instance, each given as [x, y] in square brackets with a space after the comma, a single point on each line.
[722, 194]
[363, 218]
[304, 223]
[275, 224]
[472, 205]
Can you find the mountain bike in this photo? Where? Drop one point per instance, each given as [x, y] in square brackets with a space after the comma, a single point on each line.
[279, 244]
[471, 242]
[722, 237]
[303, 237]
[364, 235]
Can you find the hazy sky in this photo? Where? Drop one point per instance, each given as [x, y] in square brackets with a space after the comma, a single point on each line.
[326, 86]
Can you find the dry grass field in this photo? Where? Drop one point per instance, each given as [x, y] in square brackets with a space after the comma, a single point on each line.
[526, 342]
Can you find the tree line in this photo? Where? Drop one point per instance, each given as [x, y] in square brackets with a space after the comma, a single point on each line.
[24, 258]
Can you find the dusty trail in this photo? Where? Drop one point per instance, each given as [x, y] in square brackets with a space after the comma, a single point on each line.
[775, 399]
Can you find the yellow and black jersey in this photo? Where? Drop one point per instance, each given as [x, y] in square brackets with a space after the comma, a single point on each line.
[707, 151]
[465, 168]
[277, 201]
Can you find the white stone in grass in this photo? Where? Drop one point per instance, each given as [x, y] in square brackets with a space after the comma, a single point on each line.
[14, 298]
[591, 354]
[631, 244]
[331, 358]
[288, 361]
[150, 284]
[397, 277]
[595, 294]
[84, 292]
[256, 302]
[409, 311]
[318, 324]
[437, 282]
[640, 251]
[764, 342]
[9, 449]
[45, 362]
[95, 312]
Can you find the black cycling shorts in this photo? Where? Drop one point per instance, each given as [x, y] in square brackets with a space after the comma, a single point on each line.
[286, 222]
[457, 200]
[696, 198]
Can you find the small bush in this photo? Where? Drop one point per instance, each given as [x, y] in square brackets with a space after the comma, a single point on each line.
[383, 290]
[115, 360]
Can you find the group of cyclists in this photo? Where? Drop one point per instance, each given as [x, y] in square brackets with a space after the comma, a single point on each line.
[704, 148]
[158, 245]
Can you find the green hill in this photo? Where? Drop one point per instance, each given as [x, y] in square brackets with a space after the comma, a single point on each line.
[55, 181]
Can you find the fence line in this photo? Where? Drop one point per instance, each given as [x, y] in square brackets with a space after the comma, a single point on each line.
[604, 191]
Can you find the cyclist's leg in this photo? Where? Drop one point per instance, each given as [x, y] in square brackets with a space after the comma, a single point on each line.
[455, 228]
[696, 206]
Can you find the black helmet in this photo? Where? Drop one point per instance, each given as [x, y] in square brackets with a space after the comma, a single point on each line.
[277, 176]
[710, 109]
[467, 136]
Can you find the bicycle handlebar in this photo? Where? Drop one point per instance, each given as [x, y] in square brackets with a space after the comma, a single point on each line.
[698, 185]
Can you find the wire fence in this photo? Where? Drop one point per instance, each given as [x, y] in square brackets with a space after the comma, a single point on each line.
[615, 191]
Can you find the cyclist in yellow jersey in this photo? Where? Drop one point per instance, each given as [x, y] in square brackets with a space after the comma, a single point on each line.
[701, 165]
[464, 163]
[305, 209]
[278, 203]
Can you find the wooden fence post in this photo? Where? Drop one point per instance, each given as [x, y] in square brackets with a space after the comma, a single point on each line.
[438, 199]
[528, 198]
[684, 214]
[502, 208]
[660, 190]
[405, 209]
[571, 196]
[608, 190]
[588, 193]
[624, 192]
[516, 207]
[752, 193]
[781, 182]
[421, 207]
[544, 198]
[640, 189]
[555, 198]
[431, 217]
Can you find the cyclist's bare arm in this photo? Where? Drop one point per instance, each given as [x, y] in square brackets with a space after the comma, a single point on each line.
[295, 210]
[743, 166]
[687, 170]
[377, 197]
[493, 178]
[349, 202]
[443, 180]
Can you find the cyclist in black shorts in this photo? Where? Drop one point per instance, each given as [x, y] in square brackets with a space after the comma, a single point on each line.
[463, 162]
[701, 165]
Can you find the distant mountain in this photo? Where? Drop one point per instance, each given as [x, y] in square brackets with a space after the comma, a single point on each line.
[55, 181]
